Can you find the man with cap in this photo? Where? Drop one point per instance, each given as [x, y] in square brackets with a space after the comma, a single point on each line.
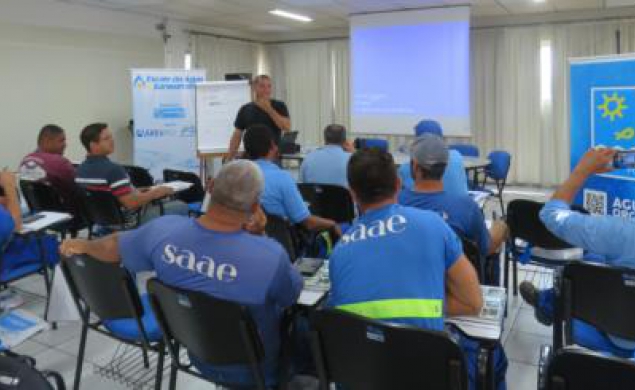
[430, 157]
[454, 178]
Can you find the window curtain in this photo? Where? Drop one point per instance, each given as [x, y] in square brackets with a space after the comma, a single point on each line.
[220, 56]
[507, 112]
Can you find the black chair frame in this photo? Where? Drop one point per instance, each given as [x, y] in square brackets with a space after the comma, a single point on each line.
[357, 353]
[573, 368]
[42, 196]
[194, 194]
[212, 329]
[329, 201]
[45, 270]
[611, 308]
[104, 209]
[139, 177]
[285, 233]
[524, 223]
[109, 292]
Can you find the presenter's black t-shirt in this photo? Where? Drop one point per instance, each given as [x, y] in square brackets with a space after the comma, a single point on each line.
[250, 114]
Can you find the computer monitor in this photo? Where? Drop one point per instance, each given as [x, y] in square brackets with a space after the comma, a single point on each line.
[237, 76]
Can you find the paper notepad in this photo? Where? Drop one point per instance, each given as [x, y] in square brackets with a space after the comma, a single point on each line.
[50, 218]
[177, 185]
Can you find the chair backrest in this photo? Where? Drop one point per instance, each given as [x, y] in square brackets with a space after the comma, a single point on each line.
[581, 369]
[196, 193]
[328, 201]
[523, 219]
[600, 295]
[467, 150]
[214, 330]
[105, 289]
[139, 176]
[498, 167]
[41, 196]
[282, 231]
[473, 254]
[360, 353]
[103, 208]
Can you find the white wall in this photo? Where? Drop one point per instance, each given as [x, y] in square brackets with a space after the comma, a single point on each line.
[70, 76]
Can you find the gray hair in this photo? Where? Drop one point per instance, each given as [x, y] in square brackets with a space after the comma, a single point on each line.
[238, 186]
[334, 134]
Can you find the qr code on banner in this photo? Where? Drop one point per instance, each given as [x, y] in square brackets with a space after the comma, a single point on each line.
[595, 202]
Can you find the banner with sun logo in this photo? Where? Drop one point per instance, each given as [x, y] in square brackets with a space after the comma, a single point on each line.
[603, 115]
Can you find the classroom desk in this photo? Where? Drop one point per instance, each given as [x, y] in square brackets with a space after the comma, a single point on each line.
[475, 165]
[46, 220]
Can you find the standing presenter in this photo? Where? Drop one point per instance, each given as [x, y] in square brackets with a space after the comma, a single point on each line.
[263, 110]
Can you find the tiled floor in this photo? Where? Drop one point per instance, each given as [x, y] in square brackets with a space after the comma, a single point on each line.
[57, 349]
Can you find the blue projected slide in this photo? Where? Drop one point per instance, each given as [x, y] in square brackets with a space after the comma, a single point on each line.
[407, 70]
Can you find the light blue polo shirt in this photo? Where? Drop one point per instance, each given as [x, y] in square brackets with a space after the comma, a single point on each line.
[281, 196]
[326, 165]
[391, 265]
[454, 178]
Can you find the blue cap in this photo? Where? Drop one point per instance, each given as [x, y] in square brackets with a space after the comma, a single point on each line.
[428, 126]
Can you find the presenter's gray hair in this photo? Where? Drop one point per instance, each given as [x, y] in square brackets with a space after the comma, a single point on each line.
[238, 186]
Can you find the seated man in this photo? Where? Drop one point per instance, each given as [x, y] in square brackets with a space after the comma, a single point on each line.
[327, 165]
[281, 196]
[49, 164]
[98, 173]
[608, 239]
[19, 255]
[430, 156]
[401, 264]
[255, 270]
[454, 178]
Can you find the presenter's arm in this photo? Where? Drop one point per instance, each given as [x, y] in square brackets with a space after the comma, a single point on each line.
[283, 122]
[234, 143]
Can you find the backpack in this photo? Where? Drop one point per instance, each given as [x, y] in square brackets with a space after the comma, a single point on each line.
[18, 372]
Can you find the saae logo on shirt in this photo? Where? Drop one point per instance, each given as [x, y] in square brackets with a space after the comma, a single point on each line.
[206, 266]
[395, 224]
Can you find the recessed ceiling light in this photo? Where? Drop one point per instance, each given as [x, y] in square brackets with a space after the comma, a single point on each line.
[290, 15]
[539, 1]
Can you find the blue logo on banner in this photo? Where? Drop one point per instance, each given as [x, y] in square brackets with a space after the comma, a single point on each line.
[613, 117]
[155, 133]
[169, 112]
[188, 132]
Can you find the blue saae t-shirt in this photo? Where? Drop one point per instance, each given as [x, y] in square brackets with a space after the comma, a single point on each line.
[391, 265]
[459, 211]
[251, 270]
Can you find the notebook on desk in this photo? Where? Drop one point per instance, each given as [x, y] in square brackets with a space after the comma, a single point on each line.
[488, 324]
[177, 185]
[493, 310]
[43, 220]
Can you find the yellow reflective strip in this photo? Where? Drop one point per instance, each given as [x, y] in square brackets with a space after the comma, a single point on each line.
[397, 308]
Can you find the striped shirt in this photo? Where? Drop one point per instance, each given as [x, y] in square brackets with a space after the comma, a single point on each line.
[98, 173]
